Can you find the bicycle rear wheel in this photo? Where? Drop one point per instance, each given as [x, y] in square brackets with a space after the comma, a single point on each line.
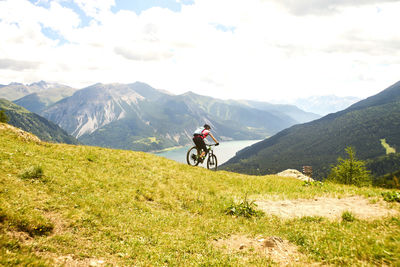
[192, 157]
[212, 162]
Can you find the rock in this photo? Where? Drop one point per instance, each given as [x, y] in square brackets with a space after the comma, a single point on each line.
[294, 174]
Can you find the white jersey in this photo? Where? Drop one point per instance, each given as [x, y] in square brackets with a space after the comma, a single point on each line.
[202, 132]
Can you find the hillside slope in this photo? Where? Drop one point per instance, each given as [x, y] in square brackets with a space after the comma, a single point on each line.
[82, 206]
[33, 123]
[319, 143]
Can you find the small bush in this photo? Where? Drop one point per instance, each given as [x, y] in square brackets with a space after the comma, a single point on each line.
[391, 196]
[348, 216]
[34, 172]
[245, 209]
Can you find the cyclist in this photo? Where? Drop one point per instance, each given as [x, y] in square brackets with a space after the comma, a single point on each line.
[198, 138]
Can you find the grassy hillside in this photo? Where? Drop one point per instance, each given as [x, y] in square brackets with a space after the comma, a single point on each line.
[33, 123]
[77, 204]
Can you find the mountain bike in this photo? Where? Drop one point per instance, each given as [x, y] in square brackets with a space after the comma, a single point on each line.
[193, 157]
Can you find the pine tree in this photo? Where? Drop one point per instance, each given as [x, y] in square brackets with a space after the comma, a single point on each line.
[350, 171]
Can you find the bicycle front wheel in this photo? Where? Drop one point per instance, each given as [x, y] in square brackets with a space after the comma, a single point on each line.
[192, 157]
[212, 162]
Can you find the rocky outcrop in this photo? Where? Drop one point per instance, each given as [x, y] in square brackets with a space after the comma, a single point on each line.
[295, 174]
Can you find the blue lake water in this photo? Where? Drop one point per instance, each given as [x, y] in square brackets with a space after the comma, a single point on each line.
[224, 151]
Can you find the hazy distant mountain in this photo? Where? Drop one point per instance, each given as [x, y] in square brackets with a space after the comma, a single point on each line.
[320, 142]
[37, 102]
[33, 123]
[292, 111]
[139, 117]
[15, 91]
[324, 105]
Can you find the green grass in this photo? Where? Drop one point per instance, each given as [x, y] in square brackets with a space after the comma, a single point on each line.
[388, 148]
[133, 208]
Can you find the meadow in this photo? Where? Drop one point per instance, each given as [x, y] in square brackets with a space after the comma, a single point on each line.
[82, 205]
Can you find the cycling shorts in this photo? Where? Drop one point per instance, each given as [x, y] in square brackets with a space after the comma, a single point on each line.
[200, 144]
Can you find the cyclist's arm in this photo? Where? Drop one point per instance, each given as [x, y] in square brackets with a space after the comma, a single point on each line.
[213, 138]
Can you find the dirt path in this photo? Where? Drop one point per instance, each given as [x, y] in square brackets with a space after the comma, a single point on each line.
[327, 207]
[280, 251]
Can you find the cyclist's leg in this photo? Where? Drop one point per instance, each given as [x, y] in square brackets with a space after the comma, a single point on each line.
[203, 148]
[198, 142]
[201, 145]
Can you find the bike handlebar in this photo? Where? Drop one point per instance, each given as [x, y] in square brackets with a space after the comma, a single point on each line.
[211, 144]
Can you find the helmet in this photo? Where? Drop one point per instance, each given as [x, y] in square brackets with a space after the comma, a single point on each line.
[207, 126]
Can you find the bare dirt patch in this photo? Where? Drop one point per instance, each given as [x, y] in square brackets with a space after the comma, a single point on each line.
[71, 261]
[331, 208]
[280, 251]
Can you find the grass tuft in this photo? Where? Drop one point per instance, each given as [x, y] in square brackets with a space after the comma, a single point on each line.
[245, 208]
[348, 216]
[33, 172]
[391, 196]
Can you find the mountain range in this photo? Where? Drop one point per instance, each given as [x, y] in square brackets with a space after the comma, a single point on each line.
[139, 117]
[364, 125]
[14, 91]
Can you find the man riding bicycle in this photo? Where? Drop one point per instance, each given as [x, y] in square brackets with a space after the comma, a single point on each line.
[198, 138]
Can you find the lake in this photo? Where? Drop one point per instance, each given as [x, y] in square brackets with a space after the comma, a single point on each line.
[224, 151]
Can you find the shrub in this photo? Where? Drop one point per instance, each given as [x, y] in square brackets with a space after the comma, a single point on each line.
[245, 209]
[350, 171]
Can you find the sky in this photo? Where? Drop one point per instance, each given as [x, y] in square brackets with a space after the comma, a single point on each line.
[229, 49]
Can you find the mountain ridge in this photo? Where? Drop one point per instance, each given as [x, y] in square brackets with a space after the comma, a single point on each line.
[319, 143]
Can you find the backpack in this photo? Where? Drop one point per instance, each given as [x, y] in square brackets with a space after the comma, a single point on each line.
[199, 131]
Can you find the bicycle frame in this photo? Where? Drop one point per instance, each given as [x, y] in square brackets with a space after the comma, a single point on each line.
[211, 158]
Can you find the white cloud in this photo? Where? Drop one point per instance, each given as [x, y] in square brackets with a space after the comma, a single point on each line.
[6, 63]
[268, 53]
[324, 7]
[95, 8]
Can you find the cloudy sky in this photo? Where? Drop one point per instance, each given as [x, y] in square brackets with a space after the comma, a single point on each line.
[251, 49]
